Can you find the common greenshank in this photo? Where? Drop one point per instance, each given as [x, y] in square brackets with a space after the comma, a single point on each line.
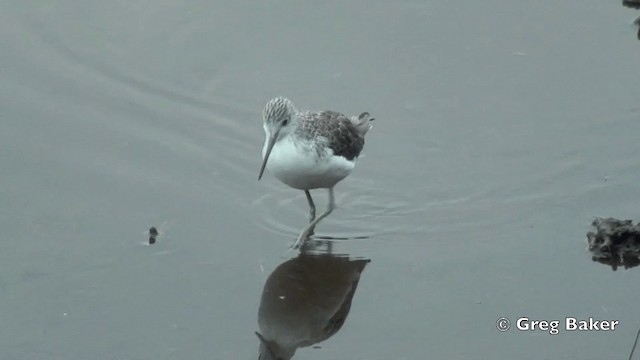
[311, 150]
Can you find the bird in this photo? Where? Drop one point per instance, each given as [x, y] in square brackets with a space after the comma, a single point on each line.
[310, 150]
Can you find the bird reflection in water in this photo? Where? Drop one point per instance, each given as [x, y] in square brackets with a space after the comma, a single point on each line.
[306, 300]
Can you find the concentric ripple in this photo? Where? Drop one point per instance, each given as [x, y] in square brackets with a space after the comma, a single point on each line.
[363, 212]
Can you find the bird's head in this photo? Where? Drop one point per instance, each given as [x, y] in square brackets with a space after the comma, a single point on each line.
[278, 115]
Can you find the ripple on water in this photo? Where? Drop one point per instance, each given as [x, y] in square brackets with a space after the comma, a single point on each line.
[153, 132]
[363, 212]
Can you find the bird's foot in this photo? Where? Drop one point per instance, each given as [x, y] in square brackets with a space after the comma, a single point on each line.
[299, 242]
[302, 238]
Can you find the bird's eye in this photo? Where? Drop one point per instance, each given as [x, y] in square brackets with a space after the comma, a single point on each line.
[285, 122]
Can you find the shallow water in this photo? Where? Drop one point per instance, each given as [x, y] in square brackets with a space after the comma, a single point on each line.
[502, 130]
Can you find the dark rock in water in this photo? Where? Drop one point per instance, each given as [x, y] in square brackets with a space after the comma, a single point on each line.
[615, 242]
[631, 3]
[153, 233]
[636, 5]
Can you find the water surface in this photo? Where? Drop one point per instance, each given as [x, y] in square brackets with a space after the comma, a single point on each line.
[502, 129]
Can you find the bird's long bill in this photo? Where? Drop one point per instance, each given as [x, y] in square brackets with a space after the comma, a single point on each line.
[262, 339]
[272, 141]
[264, 346]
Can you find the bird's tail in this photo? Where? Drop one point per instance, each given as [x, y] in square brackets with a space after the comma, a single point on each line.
[362, 123]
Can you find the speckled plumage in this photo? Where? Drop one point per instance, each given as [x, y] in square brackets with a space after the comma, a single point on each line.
[334, 130]
[320, 129]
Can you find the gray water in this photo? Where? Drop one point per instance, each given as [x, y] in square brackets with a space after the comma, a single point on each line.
[502, 129]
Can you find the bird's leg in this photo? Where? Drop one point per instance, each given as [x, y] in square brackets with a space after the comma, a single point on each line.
[312, 207]
[304, 235]
[312, 210]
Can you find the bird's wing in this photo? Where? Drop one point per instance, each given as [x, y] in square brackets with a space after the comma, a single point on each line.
[338, 131]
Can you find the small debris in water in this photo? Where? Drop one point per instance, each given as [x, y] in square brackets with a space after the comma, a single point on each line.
[153, 233]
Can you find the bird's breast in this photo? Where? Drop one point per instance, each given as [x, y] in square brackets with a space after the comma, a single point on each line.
[305, 165]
